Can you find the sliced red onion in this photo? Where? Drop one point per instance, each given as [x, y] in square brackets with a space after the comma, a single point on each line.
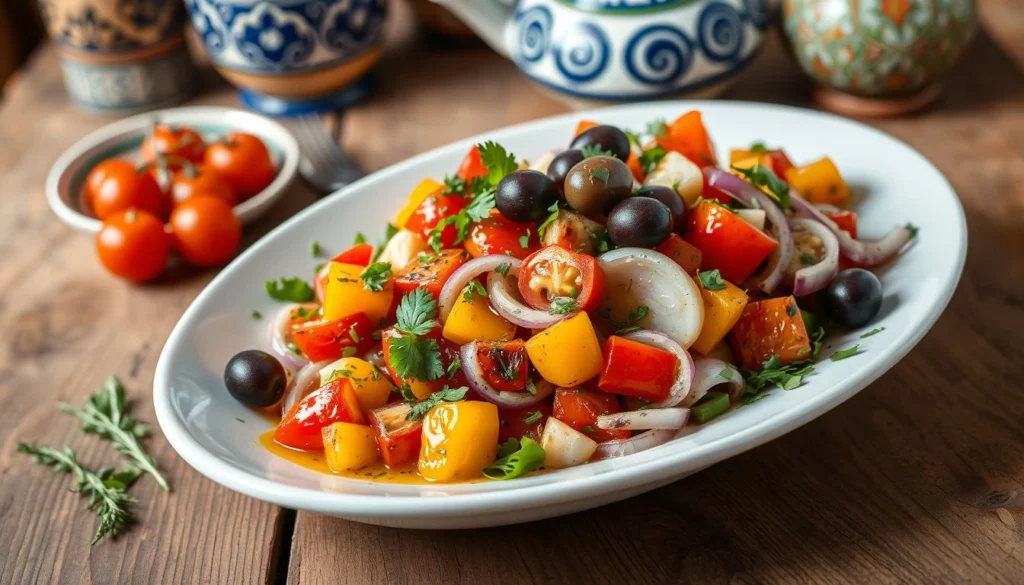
[681, 392]
[280, 335]
[641, 442]
[711, 372]
[751, 196]
[828, 208]
[811, 279]
[505, 300]
[302, 384]
[754, 217]
[467, 272]
[641, 420]
[475, 376]
[863, 252]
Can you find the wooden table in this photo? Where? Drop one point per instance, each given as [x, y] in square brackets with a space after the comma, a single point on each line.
[918, 479]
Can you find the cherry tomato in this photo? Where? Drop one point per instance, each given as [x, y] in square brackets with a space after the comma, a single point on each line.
[579, 408]
[681, 252]
[133, 245]
[398, 438]
[205, 231]
[555, 272]
[772, 327]
[471, 166]
[429, 272]
[320, 340]
[116, 185]
[726, 242]
[435, 208]
[198, 181]
[335, 402]
[636, 369]
[243, 160]
[173, 141]
[523, 422]
[499, 235]
[504, 364]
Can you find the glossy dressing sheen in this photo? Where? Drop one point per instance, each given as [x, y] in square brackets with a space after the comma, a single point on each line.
[315, 461]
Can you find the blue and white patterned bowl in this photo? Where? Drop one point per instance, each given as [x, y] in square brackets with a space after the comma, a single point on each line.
[624, 50]
[292, 55]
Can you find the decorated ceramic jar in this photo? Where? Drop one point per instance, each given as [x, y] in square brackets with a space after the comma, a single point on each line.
[121, 55]
[292, 56]
[622, 50]
[878, 56]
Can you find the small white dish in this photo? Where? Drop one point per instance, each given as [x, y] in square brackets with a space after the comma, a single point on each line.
[202, 422]
[124, 137]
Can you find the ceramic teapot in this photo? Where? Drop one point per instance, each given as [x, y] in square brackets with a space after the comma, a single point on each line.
[622, 50]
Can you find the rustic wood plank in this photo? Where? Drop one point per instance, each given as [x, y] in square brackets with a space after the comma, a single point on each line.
[918, 479]
[66, 326]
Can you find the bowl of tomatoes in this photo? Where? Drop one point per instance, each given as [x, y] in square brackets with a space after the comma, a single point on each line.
[194, 174]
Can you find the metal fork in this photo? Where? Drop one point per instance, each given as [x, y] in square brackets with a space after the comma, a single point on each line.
[324, 164]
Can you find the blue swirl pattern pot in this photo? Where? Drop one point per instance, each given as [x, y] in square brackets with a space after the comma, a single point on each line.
[623, 50]
[292, 57]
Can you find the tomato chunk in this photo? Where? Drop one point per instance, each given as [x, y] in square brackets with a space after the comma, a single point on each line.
[435, 208]
[429, 272]
[579, 408]
[780, 162]
[523, 422]
[772, 327]
[556, 273]
[683, 253]
[398, 438]
[846, 220]
[500, 235]
[636, 369]
[318, 339]
[471, 166]
[504, 364]
[726, 242]
[335, 402]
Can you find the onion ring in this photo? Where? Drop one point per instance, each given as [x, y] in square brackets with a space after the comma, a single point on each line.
[641, 442]
[505, 301]
[863, 252]
[302, 384]
[467, 272]
[641, 420]
[280, 336]
[811, 279]
[711, 372]
[475, 376]
[681, 392]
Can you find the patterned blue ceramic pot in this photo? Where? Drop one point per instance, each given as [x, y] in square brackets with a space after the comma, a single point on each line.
[623, 50]
[292, 56]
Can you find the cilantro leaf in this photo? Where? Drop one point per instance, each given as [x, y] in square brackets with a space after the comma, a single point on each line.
[474, 288]
[595, 150]
[761, 176]
[650, 157]
[446, 394]
[416, 313]
[845, 353]
[415, 357]
[563, 306]
[293, 290]
[600, 174]
[498, 161]
[550, 219]
[528, 456]
[711, 279]
[454, 185]
[375, 276]
[503, 269]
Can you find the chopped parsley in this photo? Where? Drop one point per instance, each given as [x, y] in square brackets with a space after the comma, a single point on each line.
[595, 150]
[446, 394]
[650, 157]
[600, 174]
[773, 373]
[293, 290]
[808, 259]
[759, 148]
[293, 348]
[410, 354]
[454, 185]
[913, 229]
[474, 288]
[315, 250]
[550, 219]
[632, 137]
[658, 128]
[406, 391]
[478, 209]
[524, 240]
[711, 279]
[589, 430]
[874, 331]
[503, 269]
[515, 457]
[353, 334]
[531, 387]
[375, 276]
[563, 306]
[533, 417]
[454, 367]
[498, 161]
[348, 351]
[256, 314]
[359, 239]
[602, 243]
[845, 353]
[761, 176]
[635, 315]
[425, 259]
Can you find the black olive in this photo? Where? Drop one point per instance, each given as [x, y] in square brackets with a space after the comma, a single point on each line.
[639, 222]
[255, 378]
[853, 297]
[607, 138]
[670, 198]
[525, 195]
[597, 183]
[560, 167]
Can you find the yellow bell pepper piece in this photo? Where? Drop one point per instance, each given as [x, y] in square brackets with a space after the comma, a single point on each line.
[460, 439]
[722, 309]
[345, 294]
[371, 388]
[739, 155]
[475, 320]
[567, 353]
[425, 188]
[820, 182]
[749, 163]
[348, 446]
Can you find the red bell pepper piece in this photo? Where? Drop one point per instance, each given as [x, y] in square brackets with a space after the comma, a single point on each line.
[772, 327]
[359, 254]
[579, 408]
[726, 242]
[430, 275]
[335, 402]
[780, 162]
[327, 340]
[636, 369]
[681, 252]
[435, 208]
[504, 364]
[398, 438]
[688, 136]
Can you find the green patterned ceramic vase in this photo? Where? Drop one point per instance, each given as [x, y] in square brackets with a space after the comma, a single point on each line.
[878, 56]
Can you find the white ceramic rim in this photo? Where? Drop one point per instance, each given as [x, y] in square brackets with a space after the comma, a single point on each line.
[246, 211]
[653, 473]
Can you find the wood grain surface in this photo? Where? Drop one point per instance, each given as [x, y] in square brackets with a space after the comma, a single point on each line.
[917, 479]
